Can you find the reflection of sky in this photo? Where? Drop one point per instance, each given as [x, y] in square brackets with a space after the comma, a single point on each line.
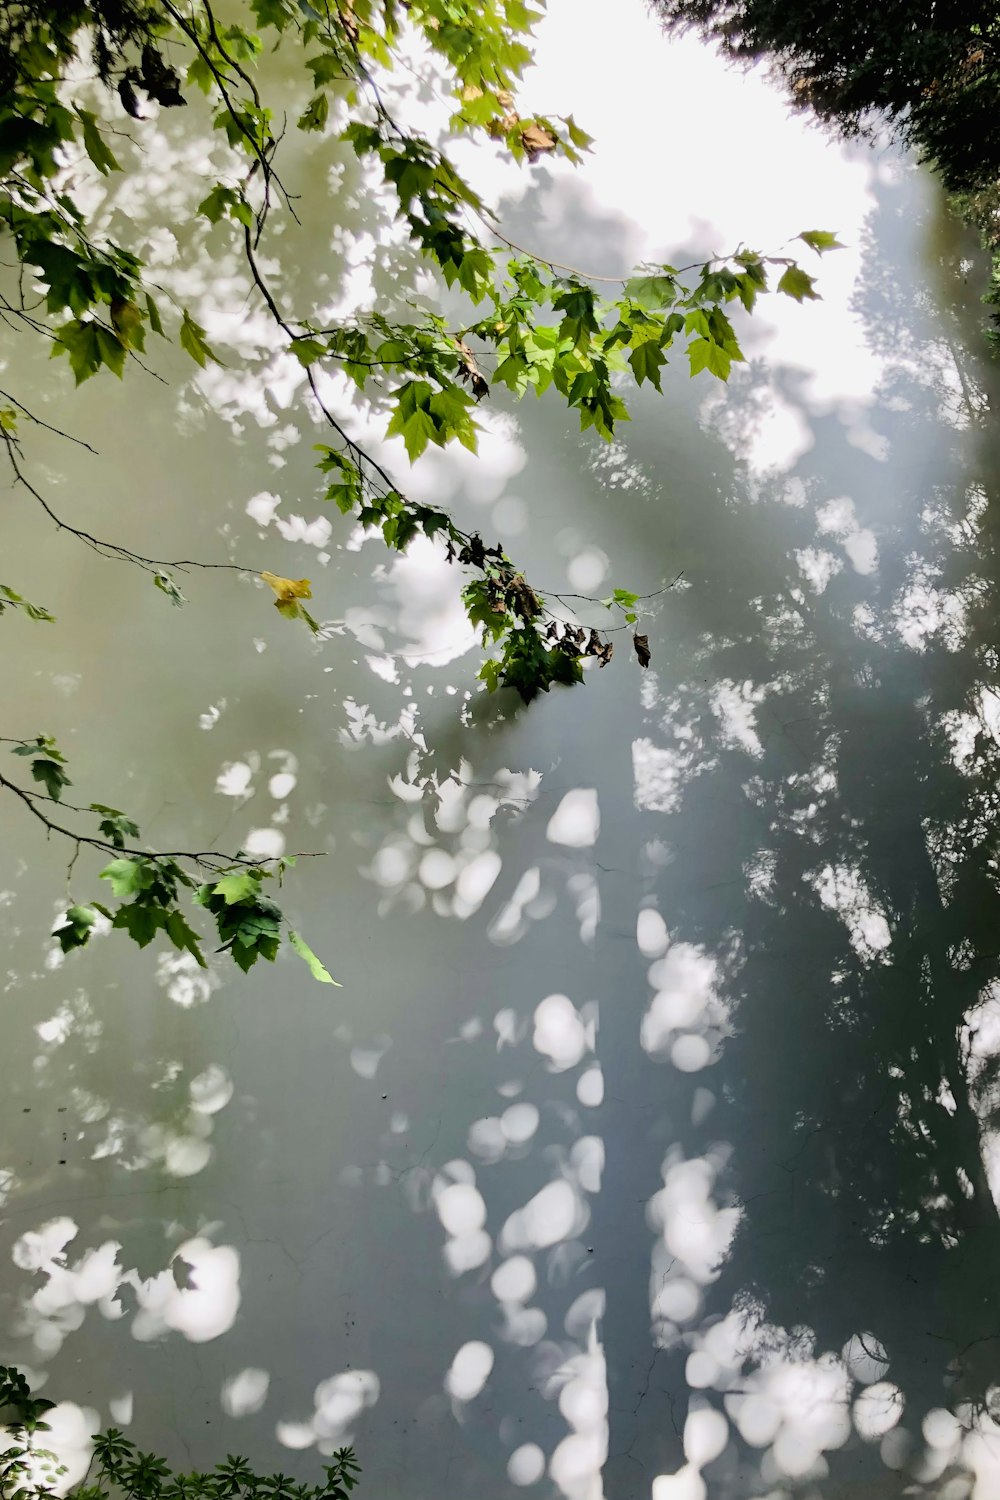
[473, 1062]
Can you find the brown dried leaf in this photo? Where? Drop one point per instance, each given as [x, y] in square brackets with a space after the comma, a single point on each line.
[503, 125]
[537, 140]
[470, 371]
[525, 599]
[641, 644]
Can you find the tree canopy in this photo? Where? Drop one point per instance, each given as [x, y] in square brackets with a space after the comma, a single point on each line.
[930, 71]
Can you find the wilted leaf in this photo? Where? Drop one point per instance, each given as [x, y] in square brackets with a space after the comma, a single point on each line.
[287, 589]
[641, 644]
[537, 140]
[165, 583]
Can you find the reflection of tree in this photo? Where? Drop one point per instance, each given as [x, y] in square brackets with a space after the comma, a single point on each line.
[821, 856]
[838, 865]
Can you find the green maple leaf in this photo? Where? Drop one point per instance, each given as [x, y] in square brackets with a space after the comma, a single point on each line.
[192, 337]
[821, 240]
[795, 283]
[705, 354]
[237, 888]
[127, 876]
[646, 361]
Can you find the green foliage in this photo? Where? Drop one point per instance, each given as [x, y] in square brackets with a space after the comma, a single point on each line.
[149, 887]
[248, 922]
[529, 324]
[119, 1471]
[318, 970]
[47, 762]
[115, 826]
[931, 71]
[11, 600]
[73, 928]
[166, 584]
[795, 283]
[192, 339]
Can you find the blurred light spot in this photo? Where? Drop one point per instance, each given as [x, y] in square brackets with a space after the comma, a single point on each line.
[461, 1208]
[941, 1428]
[203, 1309]
[685, 981]
[122, 1408]
[560, 1033]
[519, 1123]
[706, 1433]
[264, 843]
[587, 1160]
[234, 779]
[701, 1370]
[244, 1394]
[526, 1464]
[588, 569]
[651, 933]
[365, 1060]
[690, 1053]
[865, 1358]
[686, 1484]
[470, 1370]
[486, 1139]
[896, 1447]
[476, 879]
[211, 1090]
[514, 1280]
[552, 1215]
[261, 508]
[437, 869]
[590, 1087]
[576, 822]
[467, 1252]
[510, 515]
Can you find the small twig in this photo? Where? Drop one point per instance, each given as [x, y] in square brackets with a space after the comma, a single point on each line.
[70, 438]
[112, 550]
[208, 859]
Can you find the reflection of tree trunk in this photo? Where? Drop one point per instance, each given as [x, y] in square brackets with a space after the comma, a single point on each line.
[918, 1006]
[637, 1121]
[648, 1105]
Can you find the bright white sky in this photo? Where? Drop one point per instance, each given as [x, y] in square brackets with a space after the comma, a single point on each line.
[691, 149]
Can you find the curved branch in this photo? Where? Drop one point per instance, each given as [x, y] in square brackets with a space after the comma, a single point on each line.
[112, 550]
[206, 859]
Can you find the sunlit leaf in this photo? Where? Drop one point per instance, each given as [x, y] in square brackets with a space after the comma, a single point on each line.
[316, 968]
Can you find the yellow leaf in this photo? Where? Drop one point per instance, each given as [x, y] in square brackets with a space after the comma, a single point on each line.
[287, 589]
[470, 92]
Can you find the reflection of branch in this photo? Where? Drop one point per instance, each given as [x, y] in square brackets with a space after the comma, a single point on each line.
[103, 548]
[490, 221]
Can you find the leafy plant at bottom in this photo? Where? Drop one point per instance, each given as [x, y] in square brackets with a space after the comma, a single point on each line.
[122, 1472]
